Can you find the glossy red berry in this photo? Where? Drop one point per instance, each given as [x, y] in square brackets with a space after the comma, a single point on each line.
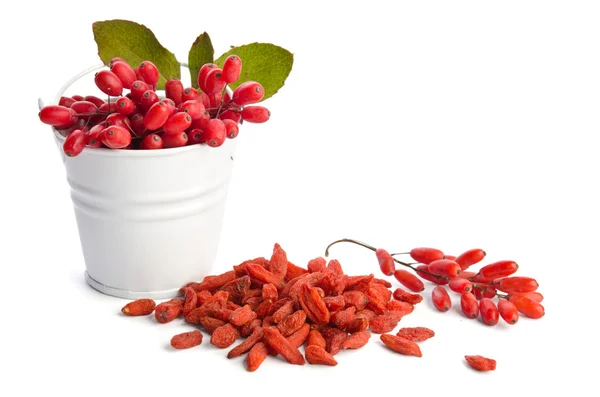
[148, 99]
[117, 119]
[78, 98]
[508, 311]
[213, 82]
[137, 124]
[409, 280]
[483, 291]
[196, 136]
[190, 94]
[460, 285]
[215, 133]
[74, 143]
[231, 69]
[177, 122]
[124, 72]
[445, 268]
[470, 257]
[84, 108]
[489, 311]
[441, 299]
[498, 269]
[174, 90]
[125, 106]
[255, 114]
[157, 116]
[194, 108]
[203, 97]
[526, 306]
[137, 90]
[174, 140]
[116, 137]
[469, 305]
[426, 255]
[94, 136]
[231, 115]
[148, 72]
[536, 296]
[248, 93]
[231, 128]
[108, 83]
[66, 101]
[108, 108]
[95, 100]
[151, 142]
[57, 115]
[170, 105]
[421, 269]
[207, 67]
[516, 284]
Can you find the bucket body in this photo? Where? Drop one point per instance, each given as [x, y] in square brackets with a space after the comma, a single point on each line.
[149, 221]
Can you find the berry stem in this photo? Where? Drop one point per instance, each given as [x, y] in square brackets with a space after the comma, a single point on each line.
[349, 240]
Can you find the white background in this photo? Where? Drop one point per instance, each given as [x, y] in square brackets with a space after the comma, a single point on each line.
[453, 124]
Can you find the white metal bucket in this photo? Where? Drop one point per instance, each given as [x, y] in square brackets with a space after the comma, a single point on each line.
[149, 220]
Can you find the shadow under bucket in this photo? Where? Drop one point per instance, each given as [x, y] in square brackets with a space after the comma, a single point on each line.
[149, 221]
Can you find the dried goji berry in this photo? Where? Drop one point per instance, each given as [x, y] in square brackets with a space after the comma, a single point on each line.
[210, 324]
[292, 323]
[355, 299]
[401, 345]
[246, 329]
[237, 289]
[224, 336]
[310, 279]
[269, 292]
[335, 267]
[358, 324]
[256, 356]
[168, 311]
[334, 338]
[317, 265]
[380, 281]
[377, 302]
[383, 324]
[225, 314]
[356, 340]
[191, 300]
[317, 355]
[481, 363]
[416, 334]
[489, 311]
[343, 318]
[187, 339]
[202, 297]
[298, 338]
[313, 305]
[294, 271]
[264, 308]
[139, 307]
[278, 262]
[260, 273]
[316, 339]
[366, 313]
[386, 262]
[213, 282]
[405, 296]
[335, 303]
[398, 306]
[282, 346]
[355, 282]
[242, 316]
[283, 308]
[246, 345]
[240, 270]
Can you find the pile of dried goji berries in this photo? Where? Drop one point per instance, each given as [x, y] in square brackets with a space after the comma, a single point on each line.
[278, 307]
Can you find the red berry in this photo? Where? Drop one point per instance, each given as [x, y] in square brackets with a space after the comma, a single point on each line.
[386, 262]
[174, 90]
[248, 93]
[174, 140]
[95, 100]
[151, 142]
[470, 257]
[124, 72]
[109, 83]
[231, 128]
[170, 105]
[460, 285]
[202, 97]
[94, 136]
[215, 132]
[536, 296]
[148, 99]
[84, 107]
[78, 98]
[469, 305]
[489, 311]
[116, 59]
[116, 137]
[508, 311]
[56, 115]
[202, 74]
[157, 116]
[231, 115]
[409, 280]
[441, 299]
[66, 101]
[213, 82]
[516, 284]
[190, 94]
[255, 114]
[451, 257]
[231, 69]
[137, 90]
[119, 120]
[215, 99]
[526, 306]
[421, 269]
[148, 72]
[426, 255]
[125, 106]
[498, 269]
[196, 136]
[194, 108]
[177, 122]
[108, 108]
[444, 267]
[137, 124]
[74, 143]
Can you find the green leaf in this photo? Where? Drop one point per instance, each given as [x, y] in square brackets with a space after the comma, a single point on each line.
[201, 52]
[134, 43]
[265, 63]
